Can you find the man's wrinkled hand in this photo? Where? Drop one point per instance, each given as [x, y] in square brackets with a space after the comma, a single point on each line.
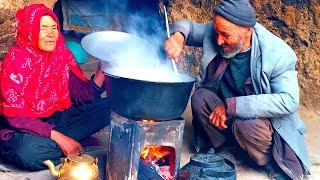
[174, 46]
[218, 117]
[67, 144]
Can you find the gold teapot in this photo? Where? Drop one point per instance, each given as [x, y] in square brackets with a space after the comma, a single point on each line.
[75, 167]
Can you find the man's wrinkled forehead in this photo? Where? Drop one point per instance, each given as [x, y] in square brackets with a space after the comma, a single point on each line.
[221, 23]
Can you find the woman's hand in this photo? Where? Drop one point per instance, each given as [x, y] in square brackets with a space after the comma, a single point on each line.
[174, 46]
[67, 144]
[218, 117]
[99, 76]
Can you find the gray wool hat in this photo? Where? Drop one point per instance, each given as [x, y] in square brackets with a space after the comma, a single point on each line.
[237, 11]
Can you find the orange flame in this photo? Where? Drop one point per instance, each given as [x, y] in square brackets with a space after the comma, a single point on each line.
[164, 156]
[154, 152]
[147, 121]
[144, 153]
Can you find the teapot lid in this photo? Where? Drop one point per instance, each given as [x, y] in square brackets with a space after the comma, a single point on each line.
[208, 160]
[80, 158]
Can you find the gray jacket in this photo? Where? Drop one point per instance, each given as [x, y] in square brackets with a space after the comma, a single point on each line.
[274, 79]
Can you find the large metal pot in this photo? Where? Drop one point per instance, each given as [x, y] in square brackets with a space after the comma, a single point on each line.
[149, 100]
[130, 96]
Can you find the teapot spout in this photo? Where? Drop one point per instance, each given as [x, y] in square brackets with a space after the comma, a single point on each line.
[51, 167]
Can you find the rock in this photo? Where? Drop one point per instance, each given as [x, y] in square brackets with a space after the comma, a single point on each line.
[289, 16]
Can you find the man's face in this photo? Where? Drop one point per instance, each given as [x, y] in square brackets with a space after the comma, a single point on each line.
[48, 34]
[229, 37]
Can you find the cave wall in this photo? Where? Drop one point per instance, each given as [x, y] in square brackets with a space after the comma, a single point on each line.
[7, 12]
[296, 21]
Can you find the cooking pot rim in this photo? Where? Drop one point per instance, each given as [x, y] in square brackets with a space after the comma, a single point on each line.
[151, 82]
[116, 36]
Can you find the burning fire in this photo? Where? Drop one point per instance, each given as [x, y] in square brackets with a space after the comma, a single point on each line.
[154, 153]
[163, 157]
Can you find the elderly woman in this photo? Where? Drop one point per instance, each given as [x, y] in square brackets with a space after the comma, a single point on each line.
[47, 103]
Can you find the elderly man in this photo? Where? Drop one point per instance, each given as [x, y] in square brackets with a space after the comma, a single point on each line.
[247, 88]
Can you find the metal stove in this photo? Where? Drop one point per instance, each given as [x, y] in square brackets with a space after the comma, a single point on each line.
[128, 137]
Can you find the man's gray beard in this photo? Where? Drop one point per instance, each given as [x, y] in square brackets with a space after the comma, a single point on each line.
[234, 52]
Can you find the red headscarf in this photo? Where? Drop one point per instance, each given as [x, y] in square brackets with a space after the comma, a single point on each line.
[34, 83]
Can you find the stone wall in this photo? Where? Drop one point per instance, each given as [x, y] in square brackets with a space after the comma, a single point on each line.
[298, 23]
[295, 21]
[7, 12]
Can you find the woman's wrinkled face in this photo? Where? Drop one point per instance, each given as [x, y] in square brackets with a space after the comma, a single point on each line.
[48, 34]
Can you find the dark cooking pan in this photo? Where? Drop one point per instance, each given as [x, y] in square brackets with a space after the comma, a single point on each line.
[130, 96]
[140, 99]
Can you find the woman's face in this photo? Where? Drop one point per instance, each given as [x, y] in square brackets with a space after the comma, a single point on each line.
[48, 34]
